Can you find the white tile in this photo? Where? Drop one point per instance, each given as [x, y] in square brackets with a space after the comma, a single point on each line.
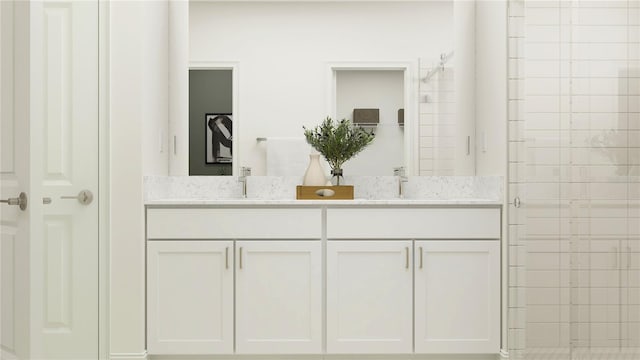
[516, 130]
[542, 296]
[542, 103]
[542, 16]
[599, 51]
[542, 51]
[608, 226]
[426, 141]
[543, 227]
[542, 121]
[515, 47]
[543, 313]
[542, 156]
[426, 153]
[600, 16]
[542, 33]
[516, 89]
[534, 245]
[612, 33]
[542, 68]
[516, 26]
[541, 86]
[516, 68]
[607, 4]
[597, 68]
[588, 156]
[608, 191]
[597, 86]
[543, 173]
[542, 334]
[542, 278]
[426, 164]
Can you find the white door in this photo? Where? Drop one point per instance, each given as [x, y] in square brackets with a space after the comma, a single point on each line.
[49, 150]
[278, 297]
[457, 297]
[190, 297]
[369, 297]
[14, 178]
[65, 144]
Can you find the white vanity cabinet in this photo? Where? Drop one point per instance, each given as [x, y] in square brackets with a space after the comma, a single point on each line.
[383, 299]
[190, 297]
[457, 296]
[278, 297]
[323, 278]
[234, 280]
[369, 297]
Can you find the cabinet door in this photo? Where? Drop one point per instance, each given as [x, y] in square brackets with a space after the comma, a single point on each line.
[457, 296]
[369, 297]
[278, 297]
[190, 297]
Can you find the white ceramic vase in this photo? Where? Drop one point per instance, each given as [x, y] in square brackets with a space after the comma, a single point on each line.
[314, 176]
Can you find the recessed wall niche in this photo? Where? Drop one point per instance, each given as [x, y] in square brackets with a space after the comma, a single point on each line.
[210, 119]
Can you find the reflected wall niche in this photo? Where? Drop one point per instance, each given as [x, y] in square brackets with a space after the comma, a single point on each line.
[210, 121]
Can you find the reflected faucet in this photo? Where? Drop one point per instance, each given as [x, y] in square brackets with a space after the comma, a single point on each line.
[244, 172]
[402, 178]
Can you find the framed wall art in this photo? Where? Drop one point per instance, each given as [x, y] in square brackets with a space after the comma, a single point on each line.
[219, 141]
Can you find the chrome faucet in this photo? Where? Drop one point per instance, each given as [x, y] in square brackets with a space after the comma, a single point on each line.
[402, 178]
[244, 172]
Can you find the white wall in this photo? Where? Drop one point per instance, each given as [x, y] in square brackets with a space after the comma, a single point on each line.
[491, 87]
[464, 79]
[155, 79]
[383, 90]
[283, 51]
[178, 87]
[137, 113]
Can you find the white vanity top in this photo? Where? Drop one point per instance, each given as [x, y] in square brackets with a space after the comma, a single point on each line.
[293, 202]
[280, 191]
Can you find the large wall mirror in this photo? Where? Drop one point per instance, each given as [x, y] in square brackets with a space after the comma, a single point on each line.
[296, 62]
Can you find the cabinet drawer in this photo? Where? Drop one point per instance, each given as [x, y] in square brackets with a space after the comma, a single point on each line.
[413, 223]
[234, 223]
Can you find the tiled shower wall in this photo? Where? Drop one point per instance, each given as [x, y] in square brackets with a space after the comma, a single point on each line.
[437, 120]
[574, 162]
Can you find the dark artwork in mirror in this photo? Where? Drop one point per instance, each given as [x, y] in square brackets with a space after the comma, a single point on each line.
[219, 138]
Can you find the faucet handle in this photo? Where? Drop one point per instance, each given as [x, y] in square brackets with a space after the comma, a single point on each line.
[245, 171]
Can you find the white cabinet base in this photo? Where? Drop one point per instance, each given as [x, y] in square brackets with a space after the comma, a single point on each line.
[457, 297]
[369, 297]
[190, 292]
[279, 297]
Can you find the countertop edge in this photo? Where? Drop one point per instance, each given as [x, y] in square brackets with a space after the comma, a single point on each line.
[329, 203]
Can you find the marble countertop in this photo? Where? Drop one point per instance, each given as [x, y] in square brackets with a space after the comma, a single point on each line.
[281, 191]
[294, 202]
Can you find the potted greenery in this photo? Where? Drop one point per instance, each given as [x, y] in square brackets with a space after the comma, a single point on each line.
[338, 142]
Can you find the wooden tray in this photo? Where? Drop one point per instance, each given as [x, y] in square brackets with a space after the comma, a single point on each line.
[342, 192]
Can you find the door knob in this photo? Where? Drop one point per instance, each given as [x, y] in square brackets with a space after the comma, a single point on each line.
[21, 201]
[84, 197]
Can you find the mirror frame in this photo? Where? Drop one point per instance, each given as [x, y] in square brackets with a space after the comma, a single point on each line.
[411, 105]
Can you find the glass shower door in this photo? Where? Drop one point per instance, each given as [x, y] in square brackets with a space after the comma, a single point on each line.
[574, 162]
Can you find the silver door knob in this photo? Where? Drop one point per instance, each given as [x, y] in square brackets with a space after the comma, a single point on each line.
[84, 197]
[21, 201]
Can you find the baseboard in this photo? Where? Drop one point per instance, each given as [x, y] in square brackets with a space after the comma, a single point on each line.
[129, 356]
[504, 354]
